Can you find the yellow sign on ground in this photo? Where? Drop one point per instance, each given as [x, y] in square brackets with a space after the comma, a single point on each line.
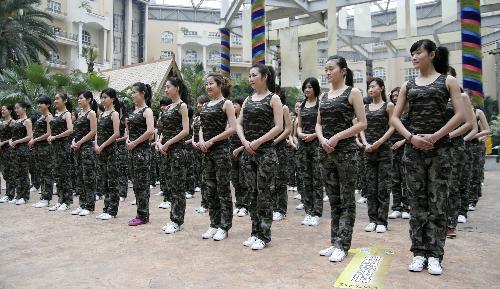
[489, 145]
[367, 268]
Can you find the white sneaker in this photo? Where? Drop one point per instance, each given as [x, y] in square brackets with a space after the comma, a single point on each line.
[277, 216]
[21, 201]
[172, 228]
[84, 213]
[134, 202]
[33, 189]
[151, 187]
[327, 252]
[371, 227]
[395, 215]
[405, 215]
[106, 217]
[98, 217]
[297, 197]
[462, 219]
[258, 245]
[314, 221]
[356, 191]
[307, 220]
[300, 206]
[201, 210]
[209, 234]
[362, 200]
[197, 190]
[13, 201]
[249, 242]
[55, 207]
[243, 212]
[157, 183]
[189, 195]
[165, 205]
[4, 199]
[122, 199]
[325, 199]
[63, 207]
[42, 203]
[433, 266]
[34, 205]
[97, 198]
[381, 229]
[160, 193]
[76, 211]
[220, 235]
[417, 264]
[337, 255]
[472, 208]
[236, 211]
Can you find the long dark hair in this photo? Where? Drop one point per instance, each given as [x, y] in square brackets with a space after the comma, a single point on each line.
[269, 72]
[146, 89]
[90, 97]
[397, 88]
[380, 83]
[10, 108]
[441, 58]
[64, 96]
[313, 81]
[112, 94]
[183, 90]
[23, 104]
[43, 99]
[342, 63]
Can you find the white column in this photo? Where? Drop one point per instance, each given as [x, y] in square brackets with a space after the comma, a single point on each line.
[178, 57]
[204, 57]
[104, 45]
[127, 33]
[80, 34]
[309, 50]
[247, 34]
[332, 27]
[145, 39]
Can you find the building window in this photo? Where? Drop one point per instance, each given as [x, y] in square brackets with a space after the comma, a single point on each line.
[86, 38]
[358, 76]
[379, 72]
[167, 37]
[411, 73]
[56, 30]
[191, 56]
[116, 21]
[321, 62]
[213, 57]
[117, 44]
[166, 54]
[236, 58]
[54, 57]
[213, 34]
[323, 80]
[54, 6]
[135, 27]
[190, 33]
[235, 76]
[235, 40]
[135, 48]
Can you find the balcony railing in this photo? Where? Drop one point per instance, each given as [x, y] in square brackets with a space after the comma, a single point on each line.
[66, 35]
[190, 60]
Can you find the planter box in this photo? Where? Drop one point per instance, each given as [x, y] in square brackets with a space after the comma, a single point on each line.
[490, 163]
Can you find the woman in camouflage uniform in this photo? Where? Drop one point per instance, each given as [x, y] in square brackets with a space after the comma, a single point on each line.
[198, 155]
[237, 170]
[6, 167]
[427, 156]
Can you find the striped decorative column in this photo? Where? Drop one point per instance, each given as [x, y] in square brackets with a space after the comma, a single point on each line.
[258, 31]
[225, 51]
[471, 48]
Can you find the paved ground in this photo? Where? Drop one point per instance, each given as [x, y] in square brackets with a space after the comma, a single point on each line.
[57, 250]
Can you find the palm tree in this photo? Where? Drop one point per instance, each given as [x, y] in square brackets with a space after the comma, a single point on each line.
[90, 54]
[25, 33]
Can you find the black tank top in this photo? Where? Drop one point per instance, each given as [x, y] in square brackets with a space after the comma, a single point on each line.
[58, 125]
[308, 118]
[19, 130]
[213, 121]
[82, 127]
[337, 115]
[5, 132]
[172, 124]
[196, 127]
[105, 128]
[378, 123]
[258, 118]
[137, 126]
[40, 128]
[427, 108]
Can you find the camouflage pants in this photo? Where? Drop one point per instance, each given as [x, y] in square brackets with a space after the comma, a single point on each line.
[292, 169]
[108, 172]
[238, 181]
[338, 171]
[457, 172]
[217, 164]
[85, 168]
[309, 171]
[361, 169]
[477, 172]
[62, 171]
[279, 190]
[298, 177]
[139, 165]
[378, 167]
[154, 167]
[199, 179]
[20, 159]
[121, 164]
[259, 174]
[43, 153]
[190, 178]
[428, 183]
[8, 167]
[33, 170]
[176, 171]
[398, 183]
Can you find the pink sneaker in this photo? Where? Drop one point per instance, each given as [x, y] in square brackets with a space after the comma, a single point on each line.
[136, 222]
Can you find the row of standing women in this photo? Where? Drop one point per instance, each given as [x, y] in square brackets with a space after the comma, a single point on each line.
[430, 115]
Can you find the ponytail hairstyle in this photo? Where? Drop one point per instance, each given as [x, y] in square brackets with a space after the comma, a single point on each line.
[64, 96]
[269, 72]
[111, 93]
[146, 89]
[392, 92]
[380, 83]
[313, 81]
[451, 71]
[281, 92]
[239, 100]
[223, 82]
[23, 104]
[183, 90]
[90, 97]
[441, 57]
[202, 99]
[342, 63]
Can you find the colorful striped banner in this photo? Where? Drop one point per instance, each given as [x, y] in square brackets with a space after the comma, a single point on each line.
[471, 49]
[225, 51]
[258, 31]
